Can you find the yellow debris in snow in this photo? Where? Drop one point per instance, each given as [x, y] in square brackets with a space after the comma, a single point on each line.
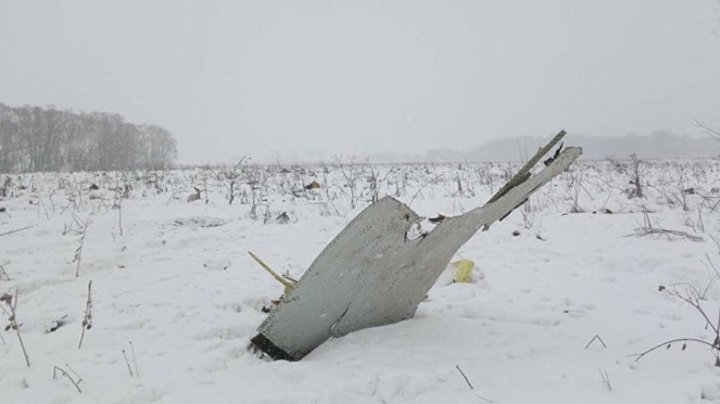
[463, 270]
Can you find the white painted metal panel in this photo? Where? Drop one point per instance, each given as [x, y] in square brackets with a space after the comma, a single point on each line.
[371, 274]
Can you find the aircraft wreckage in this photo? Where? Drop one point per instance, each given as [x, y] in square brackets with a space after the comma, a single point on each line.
[373, 274]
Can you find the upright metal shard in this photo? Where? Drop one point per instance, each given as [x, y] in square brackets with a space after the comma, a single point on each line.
[371, 274]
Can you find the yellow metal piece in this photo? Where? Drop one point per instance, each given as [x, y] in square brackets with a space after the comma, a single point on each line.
[463, 270]
[287, 283]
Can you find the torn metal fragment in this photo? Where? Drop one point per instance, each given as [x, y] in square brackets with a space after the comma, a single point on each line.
[372, 274]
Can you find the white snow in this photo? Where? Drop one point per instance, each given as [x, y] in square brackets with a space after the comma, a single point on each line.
[179, 289]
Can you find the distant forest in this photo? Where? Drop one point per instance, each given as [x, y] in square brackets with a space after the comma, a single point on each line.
[656, 145]
[47, 139]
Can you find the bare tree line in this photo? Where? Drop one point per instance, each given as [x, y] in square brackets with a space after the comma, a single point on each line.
[48, 139]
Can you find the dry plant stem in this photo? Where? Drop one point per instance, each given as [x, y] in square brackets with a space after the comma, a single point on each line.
[596, 338]
[79, 250]
[351, 177]
[693, 299]
[695, 303]
[56, 369]
[14, 324]
[706, 126]
[79, 379]
[428, 182]
[3, 273]
[120, 216]
[232, 178]
[470, 385]
[700, 221]
[132, 350]
[207, 196]
[605, 379]
[712, 266]
[87, 321]
[644, 231]
[665, 343]
[127, 363]
[464, 377]
[16, 231]
[648, 229]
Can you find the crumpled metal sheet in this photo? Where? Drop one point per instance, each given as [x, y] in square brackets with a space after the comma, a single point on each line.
[371, 274]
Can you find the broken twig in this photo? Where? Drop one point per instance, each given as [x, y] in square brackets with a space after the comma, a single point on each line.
[645, 231]
[15, 231]
[596, 338]
[87, 321]
[66, 374]
[470, 385]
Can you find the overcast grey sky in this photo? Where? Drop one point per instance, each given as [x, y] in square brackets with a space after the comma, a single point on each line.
[233, 78]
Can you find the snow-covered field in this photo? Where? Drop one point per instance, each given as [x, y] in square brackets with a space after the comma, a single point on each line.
[174, 291]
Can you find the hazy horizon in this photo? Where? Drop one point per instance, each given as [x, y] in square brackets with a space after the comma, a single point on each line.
[323, 77]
